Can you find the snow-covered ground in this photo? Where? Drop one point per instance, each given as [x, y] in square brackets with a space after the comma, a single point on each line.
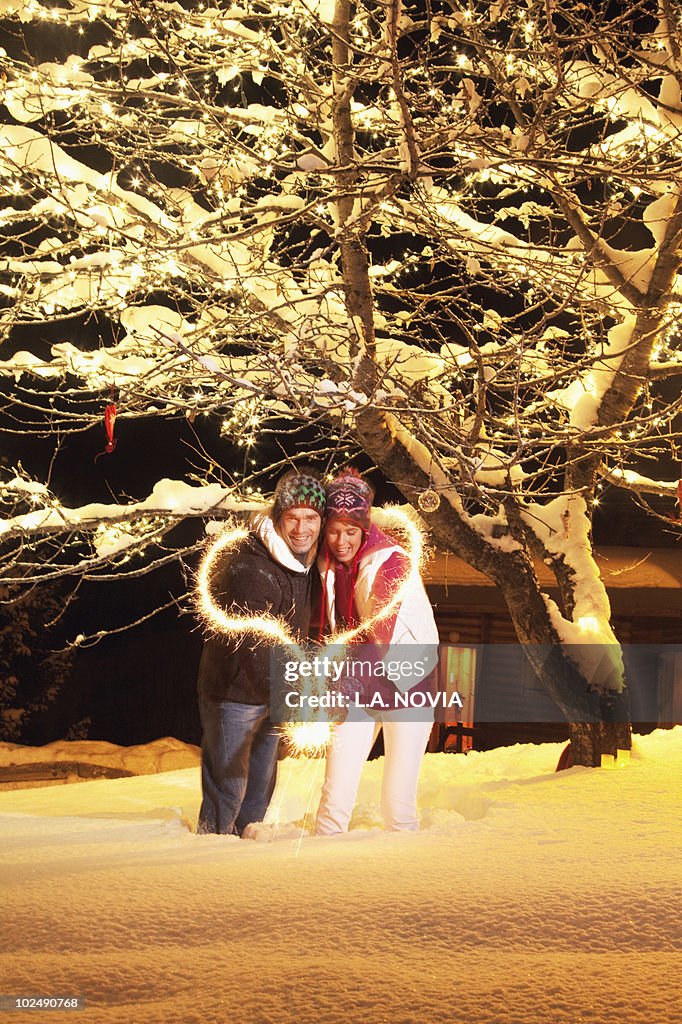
[529, 897]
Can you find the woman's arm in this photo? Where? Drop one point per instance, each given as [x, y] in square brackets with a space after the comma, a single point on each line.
[388, 580]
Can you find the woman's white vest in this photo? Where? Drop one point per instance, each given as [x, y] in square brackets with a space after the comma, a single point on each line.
[415, 634]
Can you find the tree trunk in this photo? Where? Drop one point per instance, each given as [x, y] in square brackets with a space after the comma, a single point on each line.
[589, 740]
[512, 571]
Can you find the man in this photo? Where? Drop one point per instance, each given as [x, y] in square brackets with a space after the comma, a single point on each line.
[268, 573]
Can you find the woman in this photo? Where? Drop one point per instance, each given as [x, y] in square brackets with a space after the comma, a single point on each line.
[361, 568]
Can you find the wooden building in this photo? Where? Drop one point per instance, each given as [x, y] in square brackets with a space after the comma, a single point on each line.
[483, 660]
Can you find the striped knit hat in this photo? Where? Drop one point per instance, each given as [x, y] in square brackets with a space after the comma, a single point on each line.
[298, 490]
[350, 497]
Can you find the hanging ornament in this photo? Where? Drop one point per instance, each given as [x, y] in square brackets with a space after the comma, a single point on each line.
[679, 498]
[109, 422]
[429, 500]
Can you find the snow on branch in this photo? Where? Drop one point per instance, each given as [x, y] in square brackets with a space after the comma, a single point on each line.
[634, 481]
[169, 499]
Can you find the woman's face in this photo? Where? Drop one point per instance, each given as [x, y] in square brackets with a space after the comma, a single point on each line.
[343, 540]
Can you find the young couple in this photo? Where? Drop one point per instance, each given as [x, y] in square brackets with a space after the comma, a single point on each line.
[277, 570]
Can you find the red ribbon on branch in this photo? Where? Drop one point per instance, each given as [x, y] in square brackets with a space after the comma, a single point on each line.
[109, 423]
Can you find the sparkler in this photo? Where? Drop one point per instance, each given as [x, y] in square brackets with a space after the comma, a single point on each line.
[306, 738]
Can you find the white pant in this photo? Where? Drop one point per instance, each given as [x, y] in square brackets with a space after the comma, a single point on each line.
[404, 746]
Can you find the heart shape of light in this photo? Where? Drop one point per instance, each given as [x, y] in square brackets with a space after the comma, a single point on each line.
[306, 737]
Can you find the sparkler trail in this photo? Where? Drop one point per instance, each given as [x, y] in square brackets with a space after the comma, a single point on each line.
[266, 626]
[306, 738]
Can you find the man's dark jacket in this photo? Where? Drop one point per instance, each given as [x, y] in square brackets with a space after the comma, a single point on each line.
[249, 581]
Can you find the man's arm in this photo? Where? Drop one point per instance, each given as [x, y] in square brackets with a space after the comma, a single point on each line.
[250, 588]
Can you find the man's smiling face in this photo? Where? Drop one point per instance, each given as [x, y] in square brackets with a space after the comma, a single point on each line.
[300, 528]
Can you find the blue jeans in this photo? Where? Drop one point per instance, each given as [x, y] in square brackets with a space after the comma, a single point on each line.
[238, 765]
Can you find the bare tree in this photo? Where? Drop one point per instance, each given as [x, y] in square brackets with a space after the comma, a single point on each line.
[448, 231]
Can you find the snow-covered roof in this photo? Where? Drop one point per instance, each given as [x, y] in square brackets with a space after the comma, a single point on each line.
[621, 567]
